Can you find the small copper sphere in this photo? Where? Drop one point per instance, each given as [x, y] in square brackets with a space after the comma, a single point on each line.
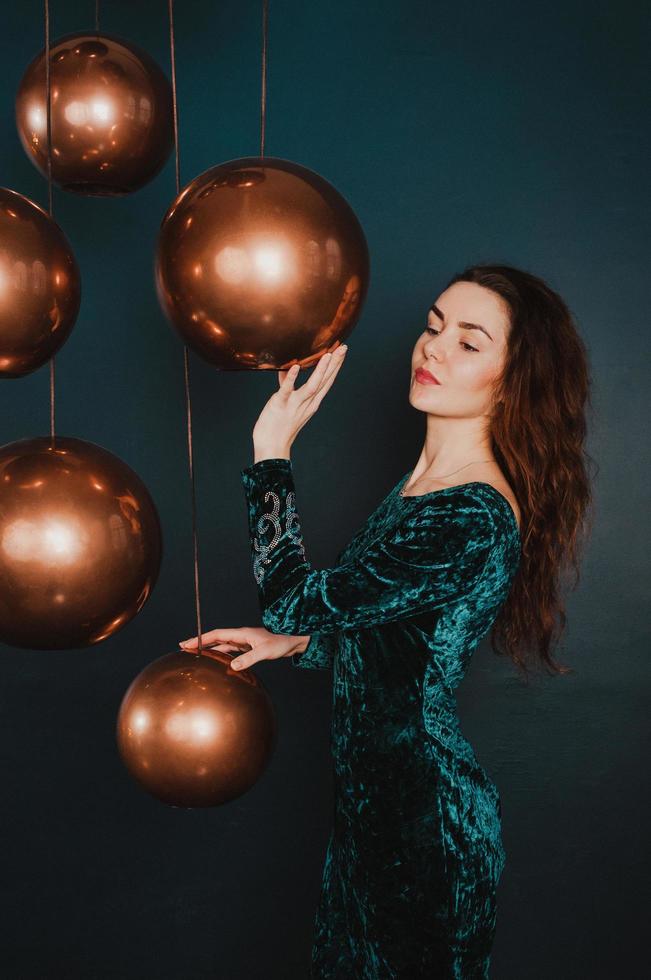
[111, 115]
[40, 290]
[80, 543]
[193, 732]
[261, 263]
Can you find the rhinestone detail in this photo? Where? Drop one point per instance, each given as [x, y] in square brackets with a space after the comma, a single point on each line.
[292, 526]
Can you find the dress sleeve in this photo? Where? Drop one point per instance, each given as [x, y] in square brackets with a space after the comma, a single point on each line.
[434, 556]
[319, 653]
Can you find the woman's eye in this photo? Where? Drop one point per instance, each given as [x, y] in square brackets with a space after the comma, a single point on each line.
[431, 330]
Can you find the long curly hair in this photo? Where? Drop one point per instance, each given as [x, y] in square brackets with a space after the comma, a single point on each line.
[538, 429]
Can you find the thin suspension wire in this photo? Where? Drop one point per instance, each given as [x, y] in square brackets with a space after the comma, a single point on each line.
[97, 16]
[52, 400]
[48, 126]
[48, 106]
[175, 108]
[186, 359]
[263, 97]
[195, 536]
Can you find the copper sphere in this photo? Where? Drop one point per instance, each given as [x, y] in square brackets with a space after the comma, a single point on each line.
[80, 543]
[261, 263]
[111, 114]
[40, 290]
[193, 732]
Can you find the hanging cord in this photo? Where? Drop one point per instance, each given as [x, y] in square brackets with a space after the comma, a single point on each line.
[263, 98]
[175, 110]
[97, 17]
[186, 359]
[48, 126]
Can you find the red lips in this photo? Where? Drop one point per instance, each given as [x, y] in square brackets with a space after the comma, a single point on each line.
[425, 377]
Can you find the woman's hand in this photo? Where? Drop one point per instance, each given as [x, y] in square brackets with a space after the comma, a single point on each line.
[290, 408]
[259, 644]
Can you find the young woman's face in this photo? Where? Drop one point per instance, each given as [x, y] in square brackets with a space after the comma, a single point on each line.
[465, 361]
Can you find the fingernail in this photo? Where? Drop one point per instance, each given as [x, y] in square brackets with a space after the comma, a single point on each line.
[235, 665]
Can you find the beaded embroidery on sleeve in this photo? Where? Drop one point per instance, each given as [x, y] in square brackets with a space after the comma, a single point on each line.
[292, 527]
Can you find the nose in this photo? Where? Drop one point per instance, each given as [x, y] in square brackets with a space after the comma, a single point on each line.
[430, 348]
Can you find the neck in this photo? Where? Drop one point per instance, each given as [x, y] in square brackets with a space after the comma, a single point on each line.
[451, 443]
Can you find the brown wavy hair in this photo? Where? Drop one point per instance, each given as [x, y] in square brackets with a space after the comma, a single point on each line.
[538, 428]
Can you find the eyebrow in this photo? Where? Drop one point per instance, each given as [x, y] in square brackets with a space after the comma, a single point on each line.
[462, 323]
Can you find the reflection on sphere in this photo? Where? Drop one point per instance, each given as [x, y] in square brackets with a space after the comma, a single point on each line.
[111, 115]
[40, 290]
[80, 544]
[262, 263]
[193, 732]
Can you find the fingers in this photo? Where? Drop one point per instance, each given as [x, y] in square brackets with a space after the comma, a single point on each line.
[287, 378]
[264, 651]
[237, 663]
[247, 659]
[331, 362]
[233, 635]
[336, 360]
[234, 639]
[324, 373]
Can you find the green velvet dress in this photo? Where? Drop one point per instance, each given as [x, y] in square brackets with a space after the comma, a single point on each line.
[415, 853]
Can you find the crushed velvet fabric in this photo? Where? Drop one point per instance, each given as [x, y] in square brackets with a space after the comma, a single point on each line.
[415, 853]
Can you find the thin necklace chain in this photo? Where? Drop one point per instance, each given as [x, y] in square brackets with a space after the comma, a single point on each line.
[443, 475]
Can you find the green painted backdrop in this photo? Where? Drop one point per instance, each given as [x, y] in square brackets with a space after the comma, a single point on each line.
[459, 132]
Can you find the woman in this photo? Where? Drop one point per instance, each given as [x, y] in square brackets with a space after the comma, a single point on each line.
[473, 538]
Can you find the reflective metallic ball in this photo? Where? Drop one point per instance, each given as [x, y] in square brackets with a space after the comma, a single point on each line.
[40, 289]
[193, 732]
[261, 263]
[111, 114]
[80, 543]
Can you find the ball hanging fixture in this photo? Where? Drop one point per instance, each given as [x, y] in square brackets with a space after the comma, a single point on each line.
[194, 733]
[261, 263]
[80, 543]
[111, 114]
[40, 288]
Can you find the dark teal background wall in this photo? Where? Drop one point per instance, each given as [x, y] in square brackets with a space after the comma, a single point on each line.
[459, 133]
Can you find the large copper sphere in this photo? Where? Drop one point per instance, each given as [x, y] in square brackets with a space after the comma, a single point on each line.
[261, 263]
[193, 732]
[111, 115]
[40, 288]
[80, 543]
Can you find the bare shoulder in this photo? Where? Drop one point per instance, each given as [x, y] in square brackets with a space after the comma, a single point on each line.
[501, 485]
